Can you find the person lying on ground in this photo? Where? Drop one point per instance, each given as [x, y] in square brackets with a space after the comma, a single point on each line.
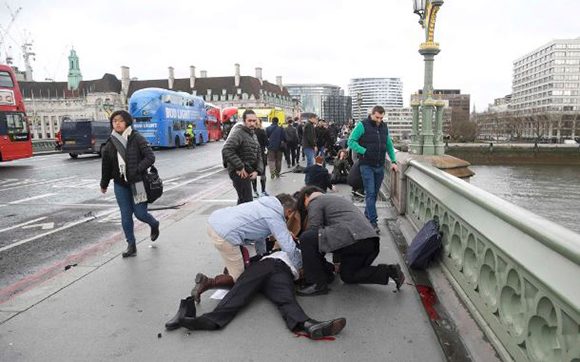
[273, 276]
[341, 168]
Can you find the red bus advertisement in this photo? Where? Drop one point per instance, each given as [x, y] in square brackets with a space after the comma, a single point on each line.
[229, 119]
[15, 137]
[213, 122]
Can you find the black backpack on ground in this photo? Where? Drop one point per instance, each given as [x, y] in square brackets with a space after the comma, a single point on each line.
[426, 246]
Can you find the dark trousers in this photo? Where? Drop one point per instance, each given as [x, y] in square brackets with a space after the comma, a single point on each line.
[355, 261]
[271, 277]
[291, 154]
[243, 187]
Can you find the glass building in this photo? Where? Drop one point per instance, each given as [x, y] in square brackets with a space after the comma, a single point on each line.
[326, 100]
[369, 92]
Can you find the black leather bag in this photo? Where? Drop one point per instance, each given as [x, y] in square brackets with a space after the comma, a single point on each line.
[153, 184]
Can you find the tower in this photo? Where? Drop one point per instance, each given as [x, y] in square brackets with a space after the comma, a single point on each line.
[74, 71]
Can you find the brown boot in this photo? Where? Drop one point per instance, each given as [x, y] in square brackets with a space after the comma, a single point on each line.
[203, 283]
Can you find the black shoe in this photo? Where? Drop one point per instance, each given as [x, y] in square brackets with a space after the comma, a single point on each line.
[154, 232]
[397, 275]
[312, 290]
[130, 251]
[376, 227]
[318, 330]
[186, 309]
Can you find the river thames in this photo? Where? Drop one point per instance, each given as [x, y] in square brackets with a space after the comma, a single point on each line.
[549, 191]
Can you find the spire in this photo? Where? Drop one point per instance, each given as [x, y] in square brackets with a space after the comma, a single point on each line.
[74, 70]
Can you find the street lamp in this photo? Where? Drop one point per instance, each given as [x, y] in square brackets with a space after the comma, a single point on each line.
[428, 142]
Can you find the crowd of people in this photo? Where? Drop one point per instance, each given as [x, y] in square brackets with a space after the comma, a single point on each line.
[274, 245]
[277, 245]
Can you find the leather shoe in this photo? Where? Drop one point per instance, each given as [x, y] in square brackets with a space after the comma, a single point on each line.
[312, 290]
[186, 309]
[318, 330]
[154, 232]
[130, 251]
[394, 272]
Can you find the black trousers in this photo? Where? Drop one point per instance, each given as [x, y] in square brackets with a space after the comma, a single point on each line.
[271, 277]
[291, 154]
[355, 261]
[243, 187]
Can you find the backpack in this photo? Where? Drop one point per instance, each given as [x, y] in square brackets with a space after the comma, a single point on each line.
[354, 178]
[426, 246]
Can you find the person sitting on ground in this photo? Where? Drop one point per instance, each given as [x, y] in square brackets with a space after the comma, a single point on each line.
[247, 224]
[273, 276]
[341, 168]
[336, 226]
[317, 175]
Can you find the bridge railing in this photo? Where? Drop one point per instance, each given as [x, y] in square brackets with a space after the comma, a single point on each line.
[518, 272]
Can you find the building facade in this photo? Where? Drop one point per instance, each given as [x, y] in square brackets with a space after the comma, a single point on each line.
[230, 91]
[545, 101]
[369, 92]
[325, 100]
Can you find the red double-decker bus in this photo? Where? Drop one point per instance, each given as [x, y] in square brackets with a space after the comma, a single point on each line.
[213, 122]
[15, 138]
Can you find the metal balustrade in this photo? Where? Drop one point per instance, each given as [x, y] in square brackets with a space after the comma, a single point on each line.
[519, 272]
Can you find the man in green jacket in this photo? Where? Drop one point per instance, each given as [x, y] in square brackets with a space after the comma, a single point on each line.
[371, 140]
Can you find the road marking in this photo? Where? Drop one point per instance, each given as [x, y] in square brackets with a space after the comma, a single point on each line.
[38, 183]
[98, 216]
[64, 227]
[27, 199]
[7, 180]
[220, 201]
[24, 223]
[45, 226]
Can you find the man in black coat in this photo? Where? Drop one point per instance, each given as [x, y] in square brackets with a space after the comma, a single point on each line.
[242, 156]
[336, 226]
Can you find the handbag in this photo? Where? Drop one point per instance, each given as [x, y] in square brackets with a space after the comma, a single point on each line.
[153, 184]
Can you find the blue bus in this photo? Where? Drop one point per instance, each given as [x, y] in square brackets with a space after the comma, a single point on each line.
[162, 116]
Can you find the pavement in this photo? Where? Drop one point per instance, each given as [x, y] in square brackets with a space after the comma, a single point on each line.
[110, 308]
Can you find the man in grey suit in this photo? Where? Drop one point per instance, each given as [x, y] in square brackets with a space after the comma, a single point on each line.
[336, 226]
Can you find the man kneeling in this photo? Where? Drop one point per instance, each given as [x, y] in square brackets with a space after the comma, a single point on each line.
[274, 277]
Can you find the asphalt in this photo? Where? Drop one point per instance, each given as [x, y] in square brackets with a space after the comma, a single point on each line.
[110, 308]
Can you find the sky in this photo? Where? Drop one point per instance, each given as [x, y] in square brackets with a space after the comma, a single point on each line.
[304, 41]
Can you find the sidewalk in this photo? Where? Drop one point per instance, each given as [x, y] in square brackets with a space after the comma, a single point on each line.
[111, 308]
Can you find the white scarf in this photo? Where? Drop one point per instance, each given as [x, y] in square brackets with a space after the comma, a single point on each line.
[122, 166]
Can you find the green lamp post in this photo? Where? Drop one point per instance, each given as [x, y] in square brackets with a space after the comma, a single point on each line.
[429, 141]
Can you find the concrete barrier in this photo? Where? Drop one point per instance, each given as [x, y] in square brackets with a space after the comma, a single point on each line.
[516, 271]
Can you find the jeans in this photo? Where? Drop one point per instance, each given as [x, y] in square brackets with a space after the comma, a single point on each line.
[128, 207]
[309, 153]
[372, 177]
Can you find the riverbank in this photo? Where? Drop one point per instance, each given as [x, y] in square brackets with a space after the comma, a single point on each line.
[516, 154]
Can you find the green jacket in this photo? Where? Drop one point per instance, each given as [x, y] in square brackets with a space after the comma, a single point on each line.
[356, 134]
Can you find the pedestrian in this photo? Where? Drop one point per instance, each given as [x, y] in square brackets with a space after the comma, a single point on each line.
[341, 168]
[242, 156]
[291, 152]
[309, 139]
[125, 159]
[276, 145]
[247, 224]
[300, 131]
[263, 140]
[335, 225]
[318, 175]
[371, 140]
[273, 276]
[322, 138]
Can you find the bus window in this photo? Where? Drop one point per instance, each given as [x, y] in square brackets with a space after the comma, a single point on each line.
[6, 80]
[13, 123]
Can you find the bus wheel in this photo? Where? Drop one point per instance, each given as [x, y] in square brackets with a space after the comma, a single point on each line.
[177, 143]
[73, 155]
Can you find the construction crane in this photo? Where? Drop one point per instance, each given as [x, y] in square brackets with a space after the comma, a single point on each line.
[4, 32]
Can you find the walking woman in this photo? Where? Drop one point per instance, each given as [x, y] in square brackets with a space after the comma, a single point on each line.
[125, 158]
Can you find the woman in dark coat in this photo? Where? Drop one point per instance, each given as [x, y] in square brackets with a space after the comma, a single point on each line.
[126, 157]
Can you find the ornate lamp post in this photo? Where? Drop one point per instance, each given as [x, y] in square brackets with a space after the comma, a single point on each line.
[428, 142]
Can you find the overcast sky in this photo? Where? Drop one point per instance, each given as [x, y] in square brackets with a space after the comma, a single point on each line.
[304, 41]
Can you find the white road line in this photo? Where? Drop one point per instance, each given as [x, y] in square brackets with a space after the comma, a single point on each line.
[193, 180]
[8, 180]
[26, 199]
[38, 183]
[23, 224]
[64, 227]
[224, 201]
